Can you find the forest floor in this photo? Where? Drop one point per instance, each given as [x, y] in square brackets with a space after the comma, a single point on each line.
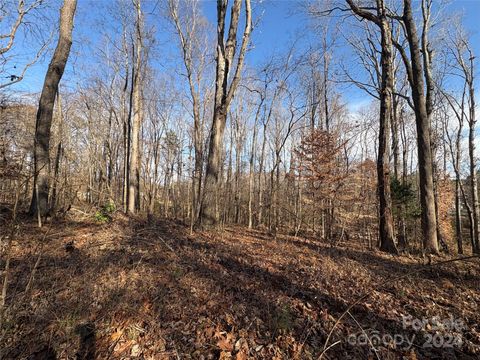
[131, 289]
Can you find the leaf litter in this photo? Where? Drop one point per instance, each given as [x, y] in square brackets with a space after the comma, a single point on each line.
[136, 290]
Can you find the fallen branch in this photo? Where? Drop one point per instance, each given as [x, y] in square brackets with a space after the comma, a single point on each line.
[366, 335]
[325, 350]
[156, 237]
[8, 251]
[35, 267]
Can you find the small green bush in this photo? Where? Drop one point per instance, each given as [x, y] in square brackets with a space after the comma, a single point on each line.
[103, 215]
[404, 199]
[109, 207]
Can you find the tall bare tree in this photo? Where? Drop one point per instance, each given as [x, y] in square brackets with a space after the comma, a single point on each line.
[464, 109]
[467, 67]
[224, 92]
[419, 74]
[189, 26]
[135, 163]
[386, 233]
[43, 125]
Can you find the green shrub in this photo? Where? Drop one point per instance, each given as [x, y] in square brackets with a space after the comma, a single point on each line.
[104, 214]
[404, 199]
[101, 217]
[109, 207]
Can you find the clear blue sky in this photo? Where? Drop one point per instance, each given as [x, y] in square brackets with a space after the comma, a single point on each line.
[280, 22]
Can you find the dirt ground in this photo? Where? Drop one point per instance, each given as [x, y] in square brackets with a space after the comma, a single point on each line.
[133, 289]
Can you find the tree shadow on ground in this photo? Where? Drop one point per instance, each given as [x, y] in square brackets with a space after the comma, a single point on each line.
[184, 297]
[387, 266]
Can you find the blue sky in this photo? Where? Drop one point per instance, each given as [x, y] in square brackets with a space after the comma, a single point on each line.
[280, 22]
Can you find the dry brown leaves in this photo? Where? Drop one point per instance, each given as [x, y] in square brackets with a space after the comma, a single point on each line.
[123, 293]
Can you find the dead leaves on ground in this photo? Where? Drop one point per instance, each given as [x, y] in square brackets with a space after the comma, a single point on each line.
[235, 295]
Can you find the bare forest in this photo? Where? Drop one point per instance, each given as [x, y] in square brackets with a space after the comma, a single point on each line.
[239, 179]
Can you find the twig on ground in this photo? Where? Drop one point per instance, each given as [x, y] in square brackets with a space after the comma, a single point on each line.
[35, 267]
[325, 350]
[367, 294]
[366, 335]
[13, 231]
[156, 237]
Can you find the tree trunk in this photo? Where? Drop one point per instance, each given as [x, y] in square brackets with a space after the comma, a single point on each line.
[427, 199]
[277, 189]
[471, 152]
[386, 235]
[58, 156]
[229, 190]
[458, 216]
[261, 183]
[325, 83]
[208, 211]
[395, 145]
[223, 96]
[187, 38]
[238, 167]
[387, 242]
[459, 191]
[251, 171]
[135, 163]
[198, 168]
[43, 125]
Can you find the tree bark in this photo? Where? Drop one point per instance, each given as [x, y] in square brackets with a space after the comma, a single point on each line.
[186, 38]
[135, 163]
[126, 118]
[387, 242]
[43, 124]
[425, 165]
[394, 130]
[386, 233]
[251, 170]
[58, 156]
[458, 217]
[471, 151]
[223, 96]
